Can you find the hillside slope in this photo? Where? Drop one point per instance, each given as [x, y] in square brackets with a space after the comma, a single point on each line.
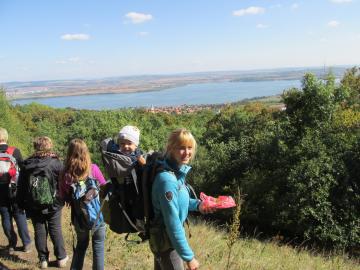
[209, 244]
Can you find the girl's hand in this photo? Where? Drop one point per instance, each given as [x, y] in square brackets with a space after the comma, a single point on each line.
[193, 264]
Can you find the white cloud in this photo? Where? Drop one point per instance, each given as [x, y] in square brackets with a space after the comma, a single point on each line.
[75, 37]
[295, 6]
[61, 62]
[249, 11]
[74, 59]
[70, 60]
[262, 26]
[143, 34]
[333, 24]
[323, 40]
[135, 17]
[24, 68]
[340, 1]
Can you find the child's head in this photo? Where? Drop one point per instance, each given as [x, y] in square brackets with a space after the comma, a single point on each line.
[42, 144]
[128, 139]
[78, 161]
[3, 135]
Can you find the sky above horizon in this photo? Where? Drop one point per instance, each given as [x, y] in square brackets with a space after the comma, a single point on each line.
[83, 39]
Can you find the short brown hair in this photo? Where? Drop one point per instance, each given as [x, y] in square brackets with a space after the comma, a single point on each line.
[42, 144]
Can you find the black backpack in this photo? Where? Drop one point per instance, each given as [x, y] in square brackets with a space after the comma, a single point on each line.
[127, 202]
[42, 189]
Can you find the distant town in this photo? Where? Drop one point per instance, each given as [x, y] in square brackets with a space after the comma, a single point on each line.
[128, 84]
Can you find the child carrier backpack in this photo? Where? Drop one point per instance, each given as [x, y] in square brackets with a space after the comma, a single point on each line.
[9, 171]
[42, 190]
[128, 208]
[86, 204]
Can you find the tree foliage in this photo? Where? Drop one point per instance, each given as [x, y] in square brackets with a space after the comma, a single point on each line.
[298, 168]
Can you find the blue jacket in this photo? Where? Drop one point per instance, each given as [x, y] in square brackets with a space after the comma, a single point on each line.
[171, 202]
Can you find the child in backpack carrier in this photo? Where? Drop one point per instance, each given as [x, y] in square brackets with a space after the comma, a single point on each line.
[79, 186]
[124, 163]
[128, 142]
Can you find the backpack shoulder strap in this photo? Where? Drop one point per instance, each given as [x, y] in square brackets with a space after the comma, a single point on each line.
[10, 157]
[10, 150]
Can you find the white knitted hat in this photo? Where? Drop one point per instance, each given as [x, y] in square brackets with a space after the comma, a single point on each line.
[130, 133]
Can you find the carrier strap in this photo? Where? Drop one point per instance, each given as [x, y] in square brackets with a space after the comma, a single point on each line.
[134, 176]
[128, 218]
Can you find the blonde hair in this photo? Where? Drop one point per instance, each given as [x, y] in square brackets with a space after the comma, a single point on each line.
[42, 144]
[4, 136]
[78, 162]
[180, 137]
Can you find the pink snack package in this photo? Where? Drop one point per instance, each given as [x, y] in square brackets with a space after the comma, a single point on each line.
[220, 202]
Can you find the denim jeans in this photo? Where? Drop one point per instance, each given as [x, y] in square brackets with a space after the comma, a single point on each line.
[7, 215]
[98, 241]
[44, 225]
[168, 260]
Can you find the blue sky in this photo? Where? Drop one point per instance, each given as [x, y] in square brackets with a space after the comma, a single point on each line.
[69, 39]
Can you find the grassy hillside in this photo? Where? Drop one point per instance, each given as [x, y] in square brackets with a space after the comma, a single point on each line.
[209, 244]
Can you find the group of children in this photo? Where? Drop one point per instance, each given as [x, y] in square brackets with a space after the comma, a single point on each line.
[170, 198]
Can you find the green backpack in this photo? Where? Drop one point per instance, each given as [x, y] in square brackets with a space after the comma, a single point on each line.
[42, 191]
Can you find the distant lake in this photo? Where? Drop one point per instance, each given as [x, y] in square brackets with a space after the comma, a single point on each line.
[192, 94]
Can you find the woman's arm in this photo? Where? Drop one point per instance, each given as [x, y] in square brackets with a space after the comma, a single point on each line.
[167, 192]
[194, 204]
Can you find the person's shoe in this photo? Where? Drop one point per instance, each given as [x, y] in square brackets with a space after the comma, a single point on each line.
[11, 250]
[27, 248]
[62, 262]
[43, 264]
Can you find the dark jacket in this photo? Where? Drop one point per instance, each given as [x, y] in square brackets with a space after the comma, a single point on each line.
[32, 165]
[4, 188]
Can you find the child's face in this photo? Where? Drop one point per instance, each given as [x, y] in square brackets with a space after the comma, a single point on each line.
[126, 146]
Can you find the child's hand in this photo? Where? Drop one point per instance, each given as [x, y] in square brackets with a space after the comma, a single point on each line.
[141, 160]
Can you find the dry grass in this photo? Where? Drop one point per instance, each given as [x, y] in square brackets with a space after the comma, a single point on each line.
[210, 246]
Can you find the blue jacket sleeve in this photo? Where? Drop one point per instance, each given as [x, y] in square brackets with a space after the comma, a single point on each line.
[170, 212]
[194, 204]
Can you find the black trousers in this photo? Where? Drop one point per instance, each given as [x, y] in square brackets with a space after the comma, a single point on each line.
[44, 225]
[168, 260]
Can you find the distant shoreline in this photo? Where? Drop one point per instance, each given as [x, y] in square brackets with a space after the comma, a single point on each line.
[88, 93]
[122, 91]
[147, 83]
[85, 93]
